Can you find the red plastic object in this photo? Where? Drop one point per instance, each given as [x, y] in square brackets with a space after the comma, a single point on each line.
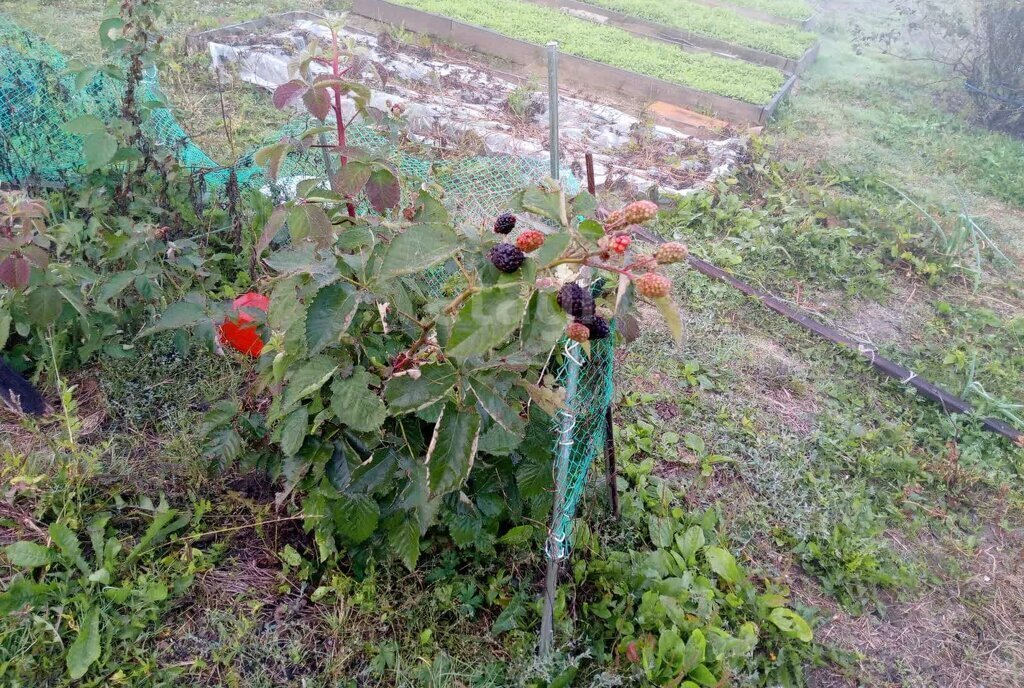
[236, 332]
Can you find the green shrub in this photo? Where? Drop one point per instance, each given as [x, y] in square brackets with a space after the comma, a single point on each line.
[613, 46]
[717, 22]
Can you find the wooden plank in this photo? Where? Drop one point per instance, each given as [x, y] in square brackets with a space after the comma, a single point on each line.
[688, 121]
[686, 40]
[575, 71]
[771, 107]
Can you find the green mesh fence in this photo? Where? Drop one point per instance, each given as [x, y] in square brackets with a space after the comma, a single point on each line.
[580, 430]
[38, 96]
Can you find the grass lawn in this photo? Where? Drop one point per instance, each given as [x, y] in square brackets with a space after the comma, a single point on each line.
[897, 530]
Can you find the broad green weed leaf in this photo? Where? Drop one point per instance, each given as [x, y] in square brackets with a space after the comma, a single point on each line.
[28, 555]
[791, 624]
[724, 564]
[86, 648]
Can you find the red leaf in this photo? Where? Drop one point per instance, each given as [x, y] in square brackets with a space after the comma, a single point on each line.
[383, 190]
[288, 93]
[318, 103]
[15, 272]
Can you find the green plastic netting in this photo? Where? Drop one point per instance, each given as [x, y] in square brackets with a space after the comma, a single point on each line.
[580, 429]
[38, 96]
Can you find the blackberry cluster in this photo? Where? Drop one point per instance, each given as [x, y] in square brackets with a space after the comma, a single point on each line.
[507, 257]
[598, 326]
[576, 301]
[505, 223]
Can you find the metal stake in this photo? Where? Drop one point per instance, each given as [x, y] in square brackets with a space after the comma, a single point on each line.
[556, 166]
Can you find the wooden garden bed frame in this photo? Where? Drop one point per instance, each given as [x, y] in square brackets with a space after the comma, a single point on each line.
[578, 72]
[687, 40]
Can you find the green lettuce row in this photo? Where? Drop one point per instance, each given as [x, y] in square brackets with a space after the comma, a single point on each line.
[788, 9]
[613, 46]
[717, 22]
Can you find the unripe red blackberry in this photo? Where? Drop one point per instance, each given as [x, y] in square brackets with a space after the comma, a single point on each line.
[599, 328]
[639, 212]
[578, 332]
[576, 301]
[507, 257]
[653, 286]
[530, 240]
[620, 243]
[672, 252]
[505, 223]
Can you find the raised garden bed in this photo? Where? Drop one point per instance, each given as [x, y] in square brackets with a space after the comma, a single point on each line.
[718, 29]
[783, 12]
[597, 58]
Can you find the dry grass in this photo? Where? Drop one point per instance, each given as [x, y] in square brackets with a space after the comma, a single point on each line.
[966, 631]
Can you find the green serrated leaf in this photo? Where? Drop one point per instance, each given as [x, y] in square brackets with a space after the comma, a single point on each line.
[44, 305]
[307, 381]
[420, 247]
[496, 407]
[553, 248]
[293, 431]
[485, 321]
[67, 543]
[355, 404]
[543, 324]
[404, 540]
[452, 449]
[330, 315]
[408, 394]
[177, 315]
[356, 517]
[548, 204]
[98, 149]
[84, 125]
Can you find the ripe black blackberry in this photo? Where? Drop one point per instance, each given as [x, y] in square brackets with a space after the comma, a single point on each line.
[576, 301]
[598, 326]
[507, 257]
[505, 223]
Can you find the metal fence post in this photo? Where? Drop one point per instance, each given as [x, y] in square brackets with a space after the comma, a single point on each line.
[556, 166]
